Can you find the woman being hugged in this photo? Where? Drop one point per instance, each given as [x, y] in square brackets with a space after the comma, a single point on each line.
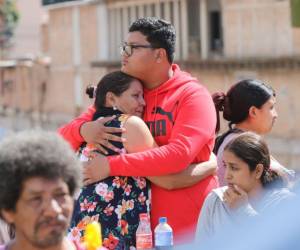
[117, 201]
[249, 105]
[253, 187]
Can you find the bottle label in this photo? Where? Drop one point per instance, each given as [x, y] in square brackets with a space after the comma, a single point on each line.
[143, 241]
[164, 239]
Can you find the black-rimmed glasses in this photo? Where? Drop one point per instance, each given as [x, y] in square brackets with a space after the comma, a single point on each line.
[128, 48]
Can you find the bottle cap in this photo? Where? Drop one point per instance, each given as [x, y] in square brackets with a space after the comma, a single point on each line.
[144, 216]
[162, 220]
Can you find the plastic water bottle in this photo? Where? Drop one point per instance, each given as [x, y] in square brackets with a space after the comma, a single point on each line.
[163, 235]
[144, 233]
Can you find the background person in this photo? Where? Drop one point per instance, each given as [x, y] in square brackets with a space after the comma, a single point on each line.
[252, 187]
[39, 174]
[249, 105]
[183, 137]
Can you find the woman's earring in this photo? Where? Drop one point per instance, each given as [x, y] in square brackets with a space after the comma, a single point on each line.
[114, 107]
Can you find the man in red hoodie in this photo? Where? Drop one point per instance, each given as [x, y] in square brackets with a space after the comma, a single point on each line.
[181, 116]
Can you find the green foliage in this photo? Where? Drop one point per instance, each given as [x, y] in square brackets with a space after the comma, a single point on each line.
[9, 17]
[295, 8]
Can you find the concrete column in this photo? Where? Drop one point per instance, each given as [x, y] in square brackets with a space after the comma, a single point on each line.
[148, 10]
[177, 27]
[157, 11]
[184, 29]
[141, 10]
[167, 11]
[125, 22]
[77, 57]
[102, 32]
[118, 37]
[112, 35]
[203, 29]
[133, 15]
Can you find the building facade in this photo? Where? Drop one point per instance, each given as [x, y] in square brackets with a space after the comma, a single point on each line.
[219, 41]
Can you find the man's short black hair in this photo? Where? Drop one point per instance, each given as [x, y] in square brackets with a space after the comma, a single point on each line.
[159, 33]
[31, 154]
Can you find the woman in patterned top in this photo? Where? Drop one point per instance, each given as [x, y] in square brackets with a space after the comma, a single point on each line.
[117, 201]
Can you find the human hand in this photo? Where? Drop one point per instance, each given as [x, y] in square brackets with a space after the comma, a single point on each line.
[235, 197]
[96, 169]
[95, 132]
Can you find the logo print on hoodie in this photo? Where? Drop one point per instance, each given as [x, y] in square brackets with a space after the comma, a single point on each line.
[158, 127]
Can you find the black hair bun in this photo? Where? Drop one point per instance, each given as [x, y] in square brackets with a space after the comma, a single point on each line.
[219, 100]
[90, 91]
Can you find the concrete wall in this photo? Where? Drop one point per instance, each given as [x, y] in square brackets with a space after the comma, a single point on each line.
[251, 29]
[257, 29]
[284, 139]
[27, 34]
[72, 47]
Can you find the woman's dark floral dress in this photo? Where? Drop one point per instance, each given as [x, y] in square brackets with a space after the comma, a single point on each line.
[115, 202]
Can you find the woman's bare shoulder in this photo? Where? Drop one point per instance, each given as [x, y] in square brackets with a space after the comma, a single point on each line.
[137, 135]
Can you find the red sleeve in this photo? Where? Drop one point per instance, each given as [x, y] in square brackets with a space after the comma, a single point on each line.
[193, 130]
[71, 131]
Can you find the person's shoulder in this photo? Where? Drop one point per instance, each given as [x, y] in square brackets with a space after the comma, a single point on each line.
[189, 88]
[230, 136]
[191, 83]
[186, 79]
[282, 193]
[214, 203]
[135, 125]
[193, 90]
[132, 121]
[219, 192]
[137, 135]
[216, 195]
[277, 196]
[127, 121]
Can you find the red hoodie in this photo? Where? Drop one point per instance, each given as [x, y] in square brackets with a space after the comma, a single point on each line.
[181, 116]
